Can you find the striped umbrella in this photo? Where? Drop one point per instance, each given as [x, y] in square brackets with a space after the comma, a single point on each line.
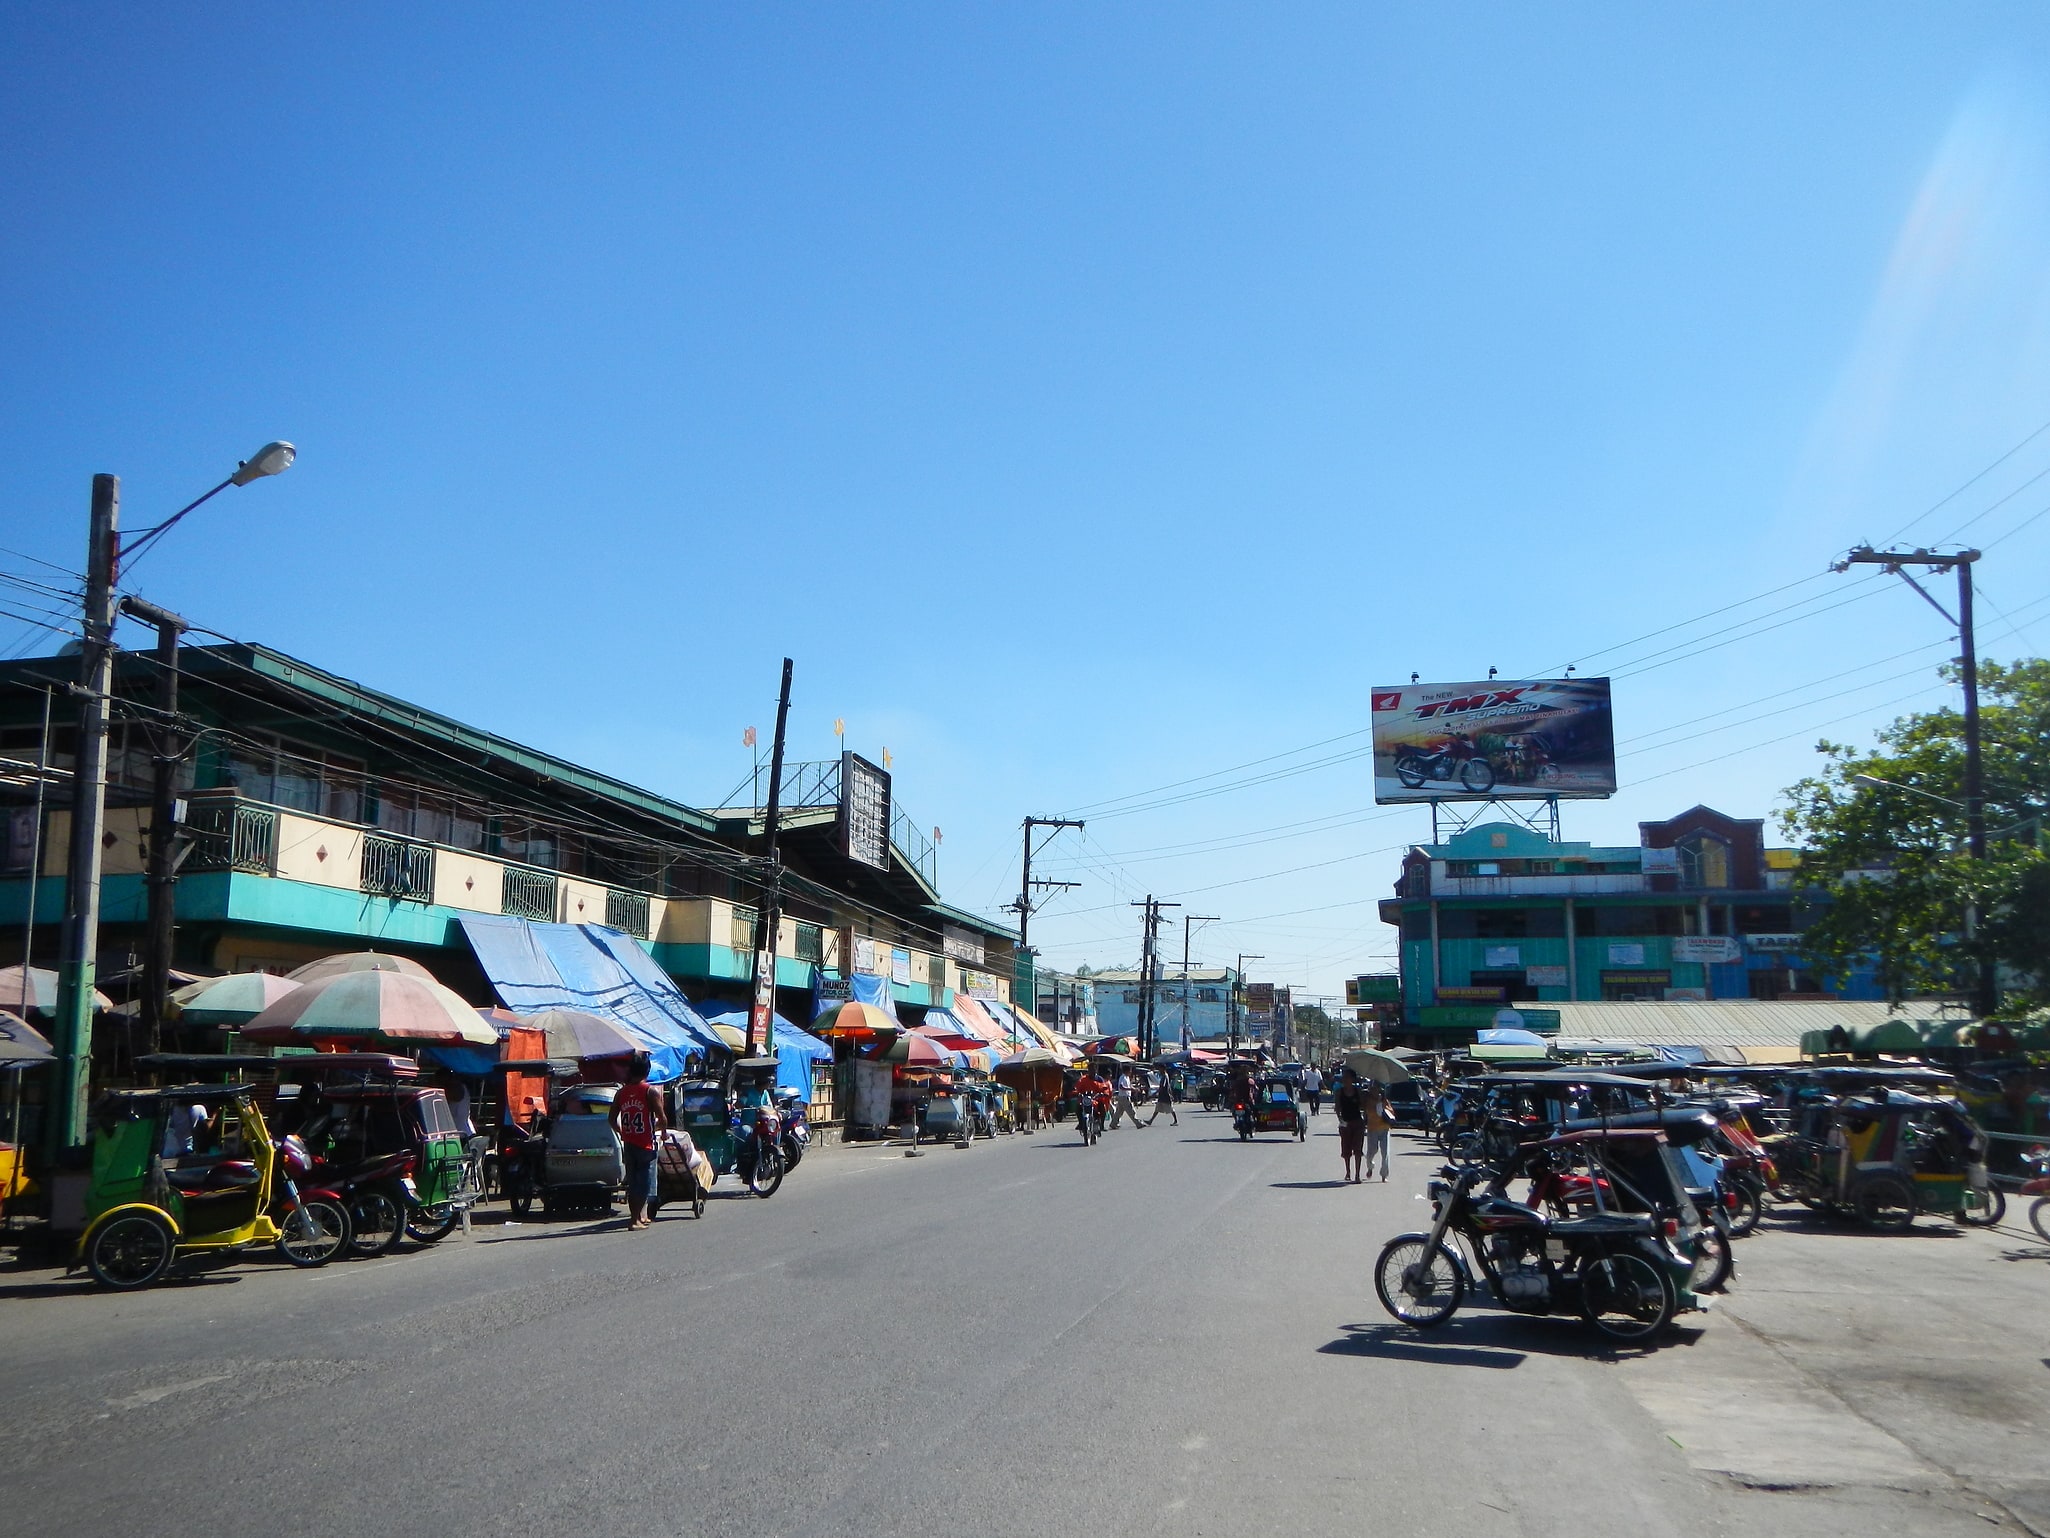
[21, 1042]
[357, 961]
[28, 990]
[501, 1020]
[853, 1018]
[362, 1009]
[232, 1000]
[920, 1052]
[579, 1035]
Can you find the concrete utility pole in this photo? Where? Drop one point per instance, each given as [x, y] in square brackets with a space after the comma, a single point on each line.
[1149, 976]
[761, 1018]
[1986, 983]
[80, 942]
[162, 878]
[1189, 919]
[1027, 886]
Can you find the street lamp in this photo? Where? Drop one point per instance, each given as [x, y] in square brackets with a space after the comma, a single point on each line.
[76, 964]
[1913, 790]
[1238, 983]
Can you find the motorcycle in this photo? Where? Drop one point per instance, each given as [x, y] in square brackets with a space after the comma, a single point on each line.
[757, 1135]
[1626, 1273]
[1455, 759]
[2038, 1186]
[1089, 1119]
[378, 1194]
[796, 1129]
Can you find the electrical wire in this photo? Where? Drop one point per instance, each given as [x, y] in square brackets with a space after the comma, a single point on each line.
[1943, 502]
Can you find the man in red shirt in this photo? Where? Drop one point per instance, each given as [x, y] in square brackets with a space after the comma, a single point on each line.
[638, 1120]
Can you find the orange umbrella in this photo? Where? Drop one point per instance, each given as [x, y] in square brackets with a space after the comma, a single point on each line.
[853, 1018]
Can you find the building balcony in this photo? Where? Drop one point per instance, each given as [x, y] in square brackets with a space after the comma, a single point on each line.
[1537, 886]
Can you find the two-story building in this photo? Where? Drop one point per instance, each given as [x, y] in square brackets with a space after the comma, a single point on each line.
[1202, 999]
[1698, 909]
[320, 815]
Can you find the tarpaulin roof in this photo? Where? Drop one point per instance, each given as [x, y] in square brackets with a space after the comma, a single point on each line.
[534, 966]
[796, 1050]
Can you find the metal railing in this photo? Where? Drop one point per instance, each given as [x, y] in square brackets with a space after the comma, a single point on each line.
[527, 894]
[627, 911]
[919, 852]
[741, 928]
[398, 867]
[811, 943]
[233, 835]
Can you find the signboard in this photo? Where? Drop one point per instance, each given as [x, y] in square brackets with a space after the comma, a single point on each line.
[1658, 981]
[1777, 945]
[1660, 862]
[1500, 740]
[761, 1025]
[1704, 950]
[1545, 977]
[1373, 990]
[1631, 955]
[1466, 995]
[1686, 995]
[900, 966]
[864, 811]
[978, 985]
[1259, 998]
[1503, 956]
[961, 944]
[865, 955]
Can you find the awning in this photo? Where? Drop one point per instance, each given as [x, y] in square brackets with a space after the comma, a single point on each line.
[796, 1050]
[534, 966]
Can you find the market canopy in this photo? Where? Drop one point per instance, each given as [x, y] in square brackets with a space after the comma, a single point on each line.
[232, 1000]
[21, 1044]
[385, 1008]
[534, 966]
[796, 1050]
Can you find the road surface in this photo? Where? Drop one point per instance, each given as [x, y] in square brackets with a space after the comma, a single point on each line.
[1170, 1333]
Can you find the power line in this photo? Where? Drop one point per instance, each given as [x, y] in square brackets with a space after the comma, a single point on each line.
[1943, 502]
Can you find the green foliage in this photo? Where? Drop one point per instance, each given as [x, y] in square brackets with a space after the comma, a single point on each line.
[1893, 862]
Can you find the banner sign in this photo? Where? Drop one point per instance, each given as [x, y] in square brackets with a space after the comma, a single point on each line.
[1776, 945]
[1259, 998]
[900, 966]
[1630, 955]
[961, 944]
[1373, 990]
[1705, 949]
[1503, 956]
[1500, 740]
[1464, 995]
[1488, 1017]
[864, 811]
[1545, 977]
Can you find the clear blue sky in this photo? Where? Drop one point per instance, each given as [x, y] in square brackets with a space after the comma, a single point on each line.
[1087, 397]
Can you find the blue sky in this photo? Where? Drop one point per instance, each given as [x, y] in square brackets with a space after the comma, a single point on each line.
[1088, 398]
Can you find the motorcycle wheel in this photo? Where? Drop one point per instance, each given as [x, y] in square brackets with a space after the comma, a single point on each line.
[1477, 774]
[1626, 1297]
[431, 1225]
[520, 1198]
[792, 1152]
[1884, 1202]
[1417, 1286]
[377, 1220]
[1982, 1209]
[2039, 1218]
[767, 1174]
[1744, 1221]
[131, 1251]
[1713, 1262]
[314, 1233]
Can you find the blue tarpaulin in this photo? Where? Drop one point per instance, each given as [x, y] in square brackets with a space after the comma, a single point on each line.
[867, 988]
[533, 967]
[796, 1050]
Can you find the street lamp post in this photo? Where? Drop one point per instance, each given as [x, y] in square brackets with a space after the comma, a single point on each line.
[81, 939]
[1238, 983]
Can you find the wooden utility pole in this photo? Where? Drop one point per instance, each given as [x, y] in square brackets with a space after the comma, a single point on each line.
[761, 1018]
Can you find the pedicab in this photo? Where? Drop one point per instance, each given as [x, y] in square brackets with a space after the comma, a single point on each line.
[1885, 1156]
[1275, 1107]
[733, 1122]
[148, 1208]
[388, 1142]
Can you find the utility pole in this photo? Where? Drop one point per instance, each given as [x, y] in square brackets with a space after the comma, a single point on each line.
[81, 937]
[761, 1019]
[162, 877]
[1149, 976]
[1986, 982]
[1027, 886]
[1189, 919]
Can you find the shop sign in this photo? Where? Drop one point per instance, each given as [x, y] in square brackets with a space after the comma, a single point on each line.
[865, 955]
[1686, 995]
[1373, 990]
[1631, 955]
[900, 966]
[1704, 950]
[1484, 1017]
[962, 944]
[1545, 977]
[1658, 980]
[1503, 956]
[1773, 945]
[1259, 998]
[1469, 995]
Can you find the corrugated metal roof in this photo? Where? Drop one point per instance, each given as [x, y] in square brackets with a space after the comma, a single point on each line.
[1736, 1022]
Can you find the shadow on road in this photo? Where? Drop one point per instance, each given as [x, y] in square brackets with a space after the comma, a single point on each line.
[1306, 1185]
[1497, 1341]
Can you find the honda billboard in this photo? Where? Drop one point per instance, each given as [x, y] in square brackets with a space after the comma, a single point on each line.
[1499, 740]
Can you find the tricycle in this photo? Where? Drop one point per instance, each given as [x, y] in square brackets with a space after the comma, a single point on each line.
[1274, 1107]
[160, 1194]
[1884, 1156]
[732, 1118]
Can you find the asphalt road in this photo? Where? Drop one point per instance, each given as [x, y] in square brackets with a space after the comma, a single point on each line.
[1169, 1333]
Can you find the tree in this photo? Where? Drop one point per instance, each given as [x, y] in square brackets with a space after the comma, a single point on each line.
[1890, 865]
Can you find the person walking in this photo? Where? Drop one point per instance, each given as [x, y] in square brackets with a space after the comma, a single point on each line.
[1164, 1101]
[637, 1118]
[1313, 1088]
[1121, 1104]
[1378, 1123]
[1350, 1108]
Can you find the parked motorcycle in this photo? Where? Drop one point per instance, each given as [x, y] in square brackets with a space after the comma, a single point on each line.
[757, 1133]
[1626, 1273]
[796, 1128]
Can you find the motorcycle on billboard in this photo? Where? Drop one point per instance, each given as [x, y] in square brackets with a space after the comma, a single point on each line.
[1502, 739]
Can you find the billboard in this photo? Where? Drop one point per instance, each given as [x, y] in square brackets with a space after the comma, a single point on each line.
[864, 811]
[1500, 740]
